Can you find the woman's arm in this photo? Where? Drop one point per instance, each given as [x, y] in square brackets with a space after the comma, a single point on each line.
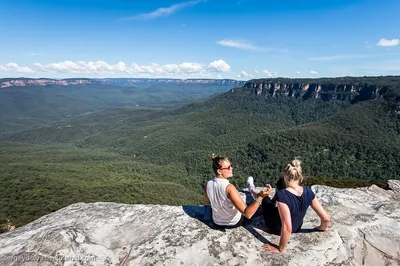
[206, 199]
[237, 201]
[320, 211]
[286, 229]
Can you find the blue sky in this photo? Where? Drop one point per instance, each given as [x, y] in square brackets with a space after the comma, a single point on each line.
[239, 39]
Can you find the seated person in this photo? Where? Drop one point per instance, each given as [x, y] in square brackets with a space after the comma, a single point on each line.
[292, 201]
[228, 207]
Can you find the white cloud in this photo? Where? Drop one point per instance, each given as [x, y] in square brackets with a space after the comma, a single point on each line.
[241, 45]
[387, 43]
[171, 68]
[13, 67]
[266, 72]
[340, 57]
[219, 66]
[81, 67]
[191, 67]
[313, 72]
[270, 74]
[243, 74]
[248, 46]
[163, 11]
[135, 68]
[297, 72]
[120, 67]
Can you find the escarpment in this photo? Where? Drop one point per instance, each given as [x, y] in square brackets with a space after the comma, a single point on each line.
[353, 89]
[364, 230]
[326, 91]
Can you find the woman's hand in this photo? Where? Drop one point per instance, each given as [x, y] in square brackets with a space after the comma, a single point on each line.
[266, 192]
[320, 211]
[271, 248]
[321, 228]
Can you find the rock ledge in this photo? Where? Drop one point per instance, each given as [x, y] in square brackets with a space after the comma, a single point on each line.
[365, 230]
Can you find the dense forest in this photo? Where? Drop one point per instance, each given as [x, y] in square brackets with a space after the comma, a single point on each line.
[161, 155]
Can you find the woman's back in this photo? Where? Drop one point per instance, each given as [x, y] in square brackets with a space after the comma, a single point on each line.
[223, 211]
[298, 204]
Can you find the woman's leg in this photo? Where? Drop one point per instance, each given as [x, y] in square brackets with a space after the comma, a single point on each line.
[271, 216]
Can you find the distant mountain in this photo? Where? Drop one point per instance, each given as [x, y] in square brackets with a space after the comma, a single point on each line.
[351, 89]
[26, 103]
[140, 82]
[136, 82]
[26, 82]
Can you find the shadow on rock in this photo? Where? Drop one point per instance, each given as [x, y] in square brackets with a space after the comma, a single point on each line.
[201, 213]
[256, 222]
[308, 230]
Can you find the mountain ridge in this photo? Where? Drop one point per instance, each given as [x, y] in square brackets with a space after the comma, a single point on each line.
[353, 89]
[23, 82]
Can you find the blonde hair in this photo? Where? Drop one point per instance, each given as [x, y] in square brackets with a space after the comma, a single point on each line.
[293, 171]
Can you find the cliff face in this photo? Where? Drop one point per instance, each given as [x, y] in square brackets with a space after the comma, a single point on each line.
[324, 91]
[23, 82]
[365, 230]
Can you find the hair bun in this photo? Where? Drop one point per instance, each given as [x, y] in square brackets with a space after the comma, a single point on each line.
[213, 156]
[296, 163]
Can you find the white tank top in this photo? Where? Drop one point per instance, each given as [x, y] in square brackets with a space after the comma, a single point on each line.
[223, 211]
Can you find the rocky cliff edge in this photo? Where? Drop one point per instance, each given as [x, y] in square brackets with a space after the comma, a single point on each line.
[365, 230]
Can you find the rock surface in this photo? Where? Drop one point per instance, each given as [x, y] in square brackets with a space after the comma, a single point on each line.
[352, 90]
[365, 230]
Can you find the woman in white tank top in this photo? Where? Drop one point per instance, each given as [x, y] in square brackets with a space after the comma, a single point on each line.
[226, 203]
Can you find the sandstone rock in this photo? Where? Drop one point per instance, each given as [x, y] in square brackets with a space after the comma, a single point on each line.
[365, 230]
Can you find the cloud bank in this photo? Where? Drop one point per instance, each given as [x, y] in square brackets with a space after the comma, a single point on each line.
[13, 67]
[106, 69]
